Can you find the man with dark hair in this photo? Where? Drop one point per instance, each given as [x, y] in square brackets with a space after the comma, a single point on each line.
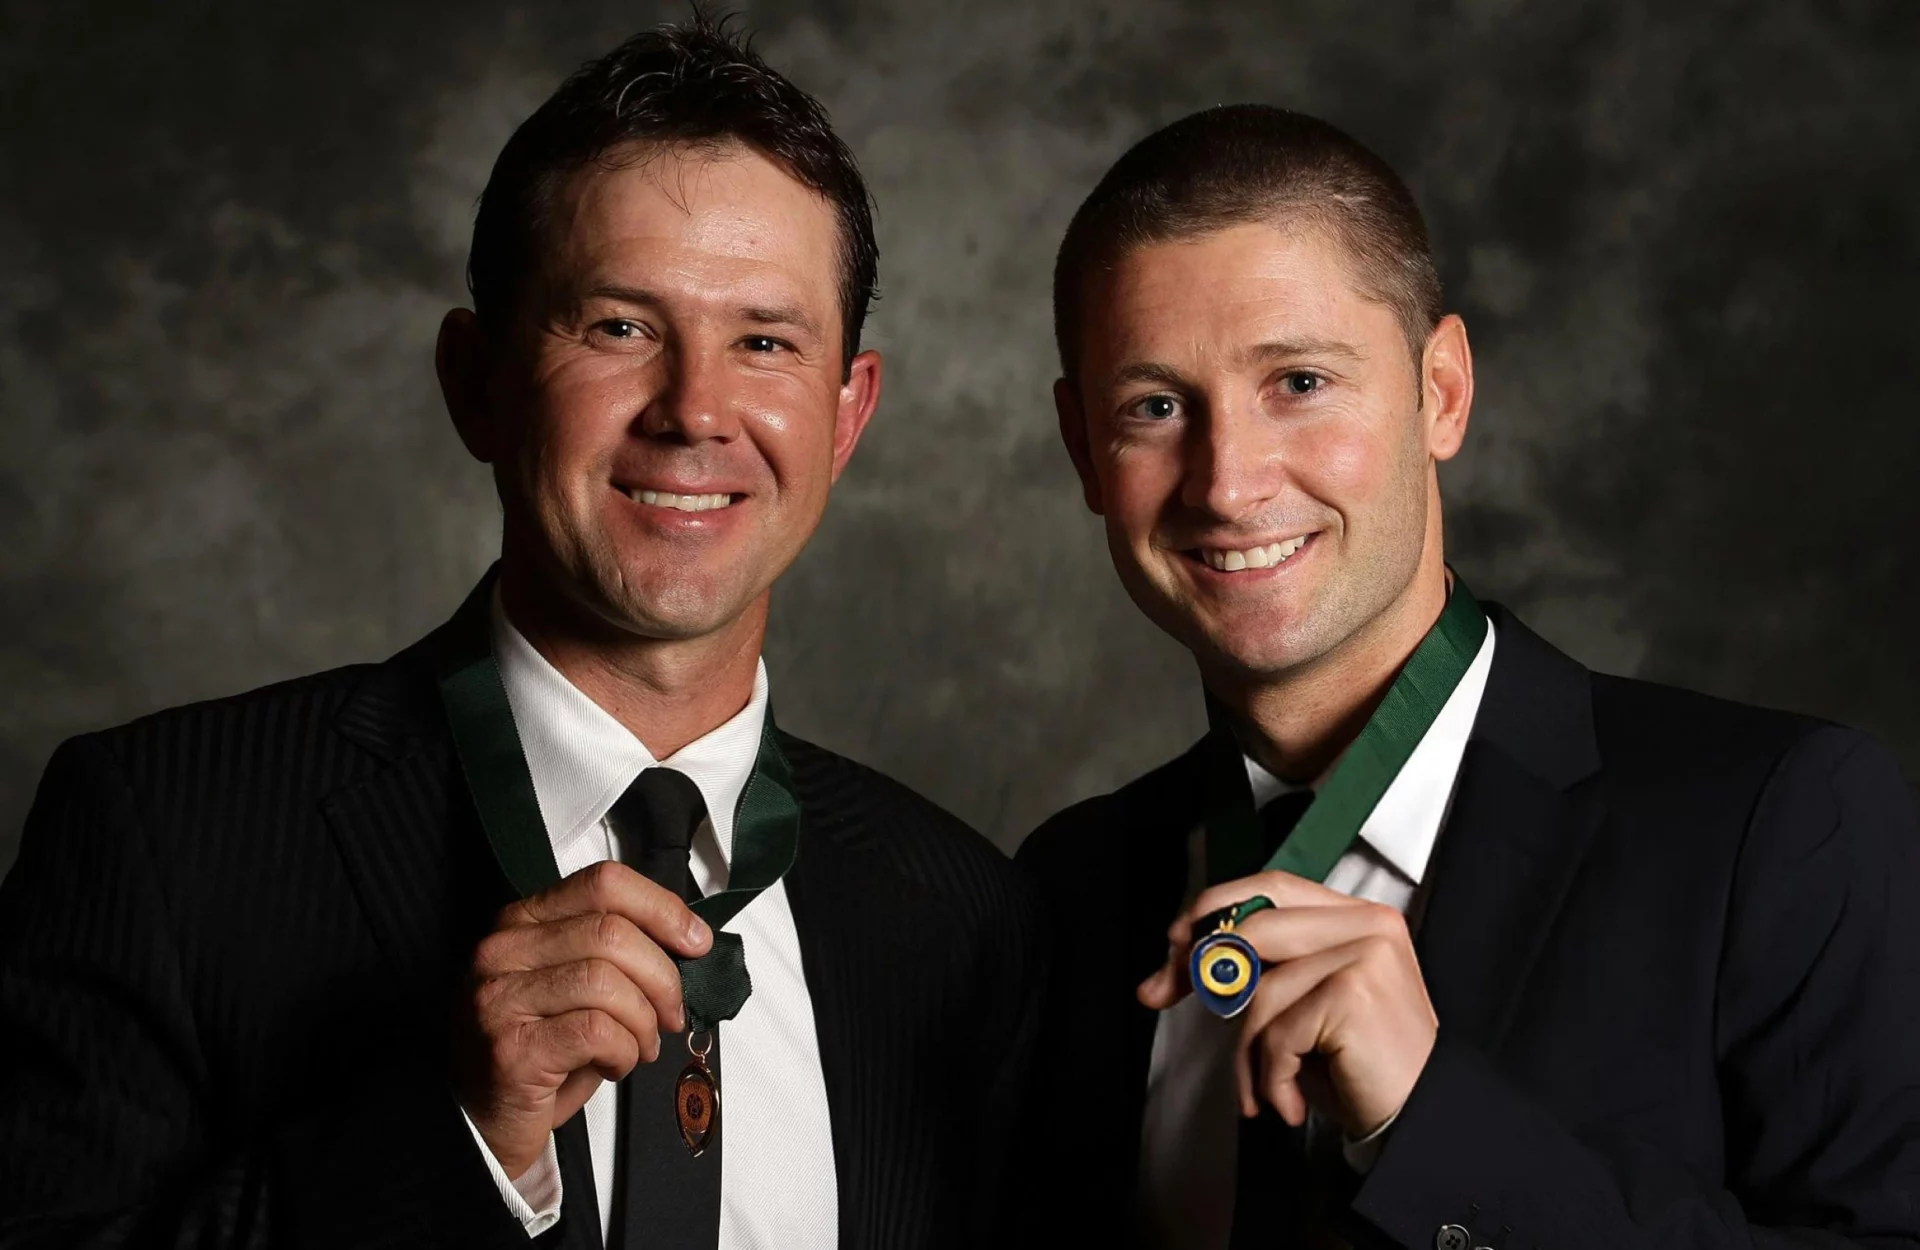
[1435, 938]
[541, 929]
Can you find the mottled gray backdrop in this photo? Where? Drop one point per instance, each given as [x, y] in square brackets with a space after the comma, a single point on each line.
[1685, 236]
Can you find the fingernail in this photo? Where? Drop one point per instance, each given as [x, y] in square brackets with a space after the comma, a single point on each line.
[696, 930]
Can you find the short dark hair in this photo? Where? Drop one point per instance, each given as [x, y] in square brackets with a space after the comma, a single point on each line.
[696, 83]
[1242, 163]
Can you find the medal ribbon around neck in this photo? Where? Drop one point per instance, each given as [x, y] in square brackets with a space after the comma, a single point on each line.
[766, 821]
[1224, 967]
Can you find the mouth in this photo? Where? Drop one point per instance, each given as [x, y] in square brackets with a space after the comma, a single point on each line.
[1250, 559]
[675, 501]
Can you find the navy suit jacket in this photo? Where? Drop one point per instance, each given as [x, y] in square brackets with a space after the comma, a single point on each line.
[1674, 947]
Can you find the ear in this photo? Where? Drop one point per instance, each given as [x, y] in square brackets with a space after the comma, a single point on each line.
[859, 396]
[1073, 432]
[1446, 379]
[461, 358]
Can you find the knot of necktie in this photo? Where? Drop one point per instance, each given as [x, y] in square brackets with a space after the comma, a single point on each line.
[1278, 818]
[655, 820]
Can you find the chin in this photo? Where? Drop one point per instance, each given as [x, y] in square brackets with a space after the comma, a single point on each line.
[1258, 644]
[676, 614]
[655, 599]
[1255, 657]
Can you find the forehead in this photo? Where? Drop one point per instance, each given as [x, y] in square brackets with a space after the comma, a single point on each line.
[1213, 293]
[693, 219]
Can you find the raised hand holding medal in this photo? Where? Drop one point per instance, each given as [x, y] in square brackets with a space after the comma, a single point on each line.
[1339, 1017]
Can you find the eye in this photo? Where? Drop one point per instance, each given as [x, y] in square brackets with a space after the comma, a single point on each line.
[1297, 383]
[761, 343]
[1158, 407]
[619, 328]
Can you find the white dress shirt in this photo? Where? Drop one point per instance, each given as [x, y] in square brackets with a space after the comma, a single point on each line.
[777, 1181]
[1189, 1135]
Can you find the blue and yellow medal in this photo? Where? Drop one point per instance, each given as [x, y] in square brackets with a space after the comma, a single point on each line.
[1224, 967]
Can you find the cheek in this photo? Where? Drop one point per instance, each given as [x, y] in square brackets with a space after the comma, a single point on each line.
[792, 428]
[1349, 464]
[1139, 482]
[578, 417]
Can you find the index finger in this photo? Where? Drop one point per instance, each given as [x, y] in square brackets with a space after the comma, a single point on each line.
[1283, 888]
[611, 886]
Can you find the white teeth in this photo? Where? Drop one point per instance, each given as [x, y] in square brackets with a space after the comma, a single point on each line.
[682, 503]
[1252, 557]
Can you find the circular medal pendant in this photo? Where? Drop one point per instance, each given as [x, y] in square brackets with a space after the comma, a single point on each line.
[1224, 969]
[696, 1106]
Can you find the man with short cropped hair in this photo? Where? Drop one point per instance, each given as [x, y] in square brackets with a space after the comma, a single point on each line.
[1436, 939]
[707, 985]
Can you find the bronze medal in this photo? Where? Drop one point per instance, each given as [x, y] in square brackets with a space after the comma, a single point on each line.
[696, 1099]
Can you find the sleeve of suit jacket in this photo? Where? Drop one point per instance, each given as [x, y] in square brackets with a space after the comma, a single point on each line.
[108, 1115]
[1817, 1035]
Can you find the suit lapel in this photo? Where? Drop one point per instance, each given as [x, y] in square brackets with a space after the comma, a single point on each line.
[1525, 807]
[407, 831]
[1129, 862]
[868, 939]
[1155, 885]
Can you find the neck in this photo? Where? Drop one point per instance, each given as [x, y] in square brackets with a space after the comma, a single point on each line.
[667, 692]
[1296, 725]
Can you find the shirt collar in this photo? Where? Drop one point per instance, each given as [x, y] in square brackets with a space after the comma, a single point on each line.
[582, 759]
[1406, 822]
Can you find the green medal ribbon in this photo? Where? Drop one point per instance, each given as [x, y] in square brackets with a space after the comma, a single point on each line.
[1223, 967]
[766, 822]
[1343, 803]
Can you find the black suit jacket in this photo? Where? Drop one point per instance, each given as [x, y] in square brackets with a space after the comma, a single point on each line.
[230, 944]
[1674, 947]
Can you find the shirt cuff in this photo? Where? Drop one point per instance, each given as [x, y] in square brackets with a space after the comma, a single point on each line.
[1360, 1155]
[535, 1198]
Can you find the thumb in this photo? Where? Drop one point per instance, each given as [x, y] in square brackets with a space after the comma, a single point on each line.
[1163, 989]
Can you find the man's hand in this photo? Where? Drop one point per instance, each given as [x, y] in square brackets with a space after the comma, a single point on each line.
[1341, 1022]
[571, 988]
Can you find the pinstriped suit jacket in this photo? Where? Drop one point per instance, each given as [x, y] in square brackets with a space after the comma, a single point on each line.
[230, 944]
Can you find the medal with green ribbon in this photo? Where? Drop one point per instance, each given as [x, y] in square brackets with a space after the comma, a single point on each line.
[766, 836]
[1224, 967]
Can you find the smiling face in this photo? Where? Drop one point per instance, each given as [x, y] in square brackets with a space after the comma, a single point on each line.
[1251, 427]
[668, 413]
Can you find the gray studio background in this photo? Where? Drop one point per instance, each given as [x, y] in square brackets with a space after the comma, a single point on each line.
[1685, 238]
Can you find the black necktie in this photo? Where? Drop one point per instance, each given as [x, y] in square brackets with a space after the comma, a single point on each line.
[1279, 816]
[1266, 1195]
[664, 1197]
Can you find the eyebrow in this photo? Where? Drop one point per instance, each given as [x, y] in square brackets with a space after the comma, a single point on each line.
[1283, 348]
[785, 315]
[623, 294]
[775, 315]
[1148, 371]
[1260, 353]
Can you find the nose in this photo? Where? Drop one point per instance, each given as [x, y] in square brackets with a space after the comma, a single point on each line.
[696, 405]
[1233, 462]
